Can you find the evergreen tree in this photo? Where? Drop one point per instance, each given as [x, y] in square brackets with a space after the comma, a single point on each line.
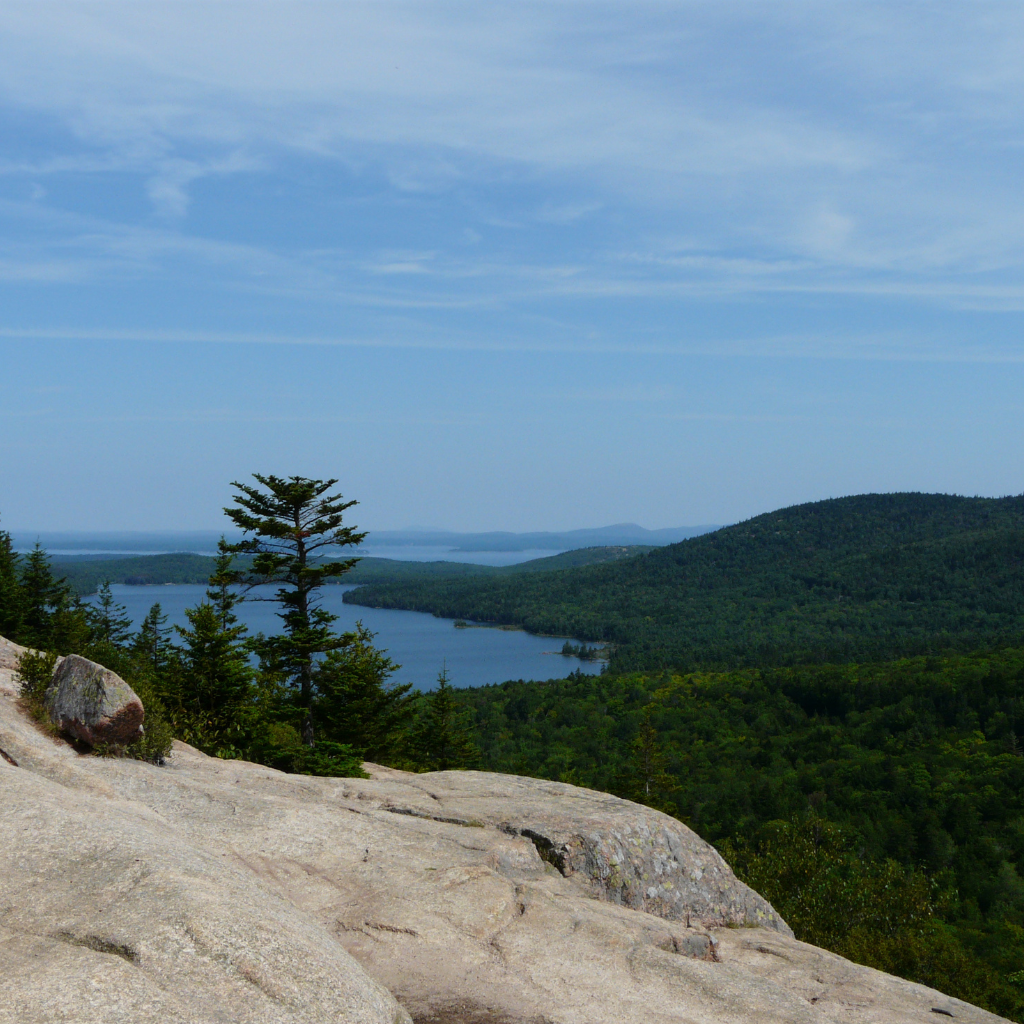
[222, 592]
[650, 781]
[110, 622]
[354, 703]
[10, 590]
[215, 685]
[292, 522]
[42, 596]
[152, 642]
[443, 734]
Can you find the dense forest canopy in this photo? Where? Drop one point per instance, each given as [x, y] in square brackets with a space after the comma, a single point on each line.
[868, 577]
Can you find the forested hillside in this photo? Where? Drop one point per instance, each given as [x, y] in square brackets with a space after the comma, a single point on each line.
[860, 578]
[84, 575]
[817, 782]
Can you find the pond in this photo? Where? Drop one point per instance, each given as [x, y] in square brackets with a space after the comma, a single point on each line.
[420, 643]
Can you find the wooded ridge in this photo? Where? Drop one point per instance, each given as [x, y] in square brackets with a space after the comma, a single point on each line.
[862, 578]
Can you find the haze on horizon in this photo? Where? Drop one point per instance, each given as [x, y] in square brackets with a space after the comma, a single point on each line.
[508, 266]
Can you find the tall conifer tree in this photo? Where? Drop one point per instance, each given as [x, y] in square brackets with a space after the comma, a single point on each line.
[10, 589]
[291, 524]
[443, 733]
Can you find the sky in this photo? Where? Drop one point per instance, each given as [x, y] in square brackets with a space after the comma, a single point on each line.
[507, 266]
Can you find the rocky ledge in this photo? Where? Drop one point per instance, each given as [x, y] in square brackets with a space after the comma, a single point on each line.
[223, 891]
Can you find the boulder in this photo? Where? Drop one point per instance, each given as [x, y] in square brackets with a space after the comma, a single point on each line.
[93, 704]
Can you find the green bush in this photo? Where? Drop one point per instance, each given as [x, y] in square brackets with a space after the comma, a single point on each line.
[877, 913]
[35, 670]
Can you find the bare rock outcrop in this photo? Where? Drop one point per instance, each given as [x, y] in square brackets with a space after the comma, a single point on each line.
[9, 655]
[610, 848]
[93, 704]
[223, 891]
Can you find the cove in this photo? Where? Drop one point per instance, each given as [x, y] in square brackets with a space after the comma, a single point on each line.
[420, 643]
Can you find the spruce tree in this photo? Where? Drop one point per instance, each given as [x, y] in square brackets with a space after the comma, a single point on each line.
[222, 592]
[650, 781]
[291, 524]
[216, 681]
[43, 596]
[443, 734]
[10, 590]
[151, 642]
[355, 704]
[110, 622]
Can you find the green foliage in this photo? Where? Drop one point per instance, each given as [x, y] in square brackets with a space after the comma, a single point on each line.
[211, 689]
[353, 701]
[109, 621]
[293, 523]
[48, 615]
[919, 758]
[206, 691]
[441, 736]
[35, 670]
[336, 760]
[878, 913]
[152, 642]
[85, 574]
[11, 610]
[648, 780]
[814, 873]
[155, 743]
[861, 578]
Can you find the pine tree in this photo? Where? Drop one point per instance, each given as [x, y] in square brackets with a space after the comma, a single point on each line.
[10, 590]
[650, 781]
[152, 642]
[292, 522]
[110, 622]
[443, 735]
[215, 685]
[354, 703]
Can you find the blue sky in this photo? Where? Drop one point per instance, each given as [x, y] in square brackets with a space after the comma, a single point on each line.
[507, 266]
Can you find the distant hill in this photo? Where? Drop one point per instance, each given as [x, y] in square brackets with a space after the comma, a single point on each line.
[121, 543]
[620, 535]
[859, 578]
[86, 572]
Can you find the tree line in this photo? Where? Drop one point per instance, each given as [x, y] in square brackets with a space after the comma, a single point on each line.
[309, 699]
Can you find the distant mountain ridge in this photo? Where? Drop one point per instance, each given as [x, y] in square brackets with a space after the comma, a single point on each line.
[619, 535]
[205, 541]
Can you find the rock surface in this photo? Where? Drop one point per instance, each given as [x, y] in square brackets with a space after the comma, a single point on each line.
[93, 704]
[9, 655]
[222, 891]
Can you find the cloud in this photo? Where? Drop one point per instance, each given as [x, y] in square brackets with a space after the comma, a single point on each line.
[868, 149]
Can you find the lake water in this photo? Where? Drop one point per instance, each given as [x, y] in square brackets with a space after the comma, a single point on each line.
[420, 643]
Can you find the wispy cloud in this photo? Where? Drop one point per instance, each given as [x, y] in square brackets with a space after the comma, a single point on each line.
[507, 155]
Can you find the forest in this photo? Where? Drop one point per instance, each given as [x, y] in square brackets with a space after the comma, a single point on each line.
[851, 579]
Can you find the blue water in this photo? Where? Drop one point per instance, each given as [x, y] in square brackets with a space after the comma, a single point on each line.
[420, 643]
